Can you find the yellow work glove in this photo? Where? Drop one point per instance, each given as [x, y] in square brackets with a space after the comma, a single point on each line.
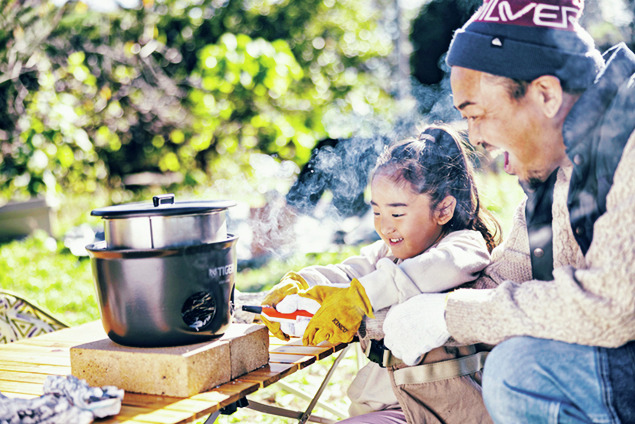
[290, 283]
[340, 315]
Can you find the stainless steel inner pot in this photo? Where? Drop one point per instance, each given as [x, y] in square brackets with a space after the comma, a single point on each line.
[164, 223]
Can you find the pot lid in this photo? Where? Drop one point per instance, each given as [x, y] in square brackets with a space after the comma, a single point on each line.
[162, 205]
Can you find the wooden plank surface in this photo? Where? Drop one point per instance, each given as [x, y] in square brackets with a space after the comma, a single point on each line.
[269, 374]
[24, 377]
[25, 364]
[19, 387]
[13, 365]
[297, 360]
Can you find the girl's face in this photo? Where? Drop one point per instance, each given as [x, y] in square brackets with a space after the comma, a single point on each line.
[404, 219]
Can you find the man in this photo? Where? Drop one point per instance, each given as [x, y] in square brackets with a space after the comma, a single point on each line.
[561, 299]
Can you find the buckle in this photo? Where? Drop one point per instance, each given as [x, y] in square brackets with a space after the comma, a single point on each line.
[378, 353]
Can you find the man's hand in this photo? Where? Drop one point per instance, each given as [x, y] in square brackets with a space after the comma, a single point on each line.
[291, 283]
[415, 327]
[341, 313]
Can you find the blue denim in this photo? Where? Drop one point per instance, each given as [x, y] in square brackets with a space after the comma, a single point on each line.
[529, 380]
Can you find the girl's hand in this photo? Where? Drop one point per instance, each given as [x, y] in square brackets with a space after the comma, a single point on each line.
[292, 303]
[291, 283]
[341, 313]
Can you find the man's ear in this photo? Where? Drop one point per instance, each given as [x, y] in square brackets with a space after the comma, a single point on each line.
[547, 90]
[445, 210]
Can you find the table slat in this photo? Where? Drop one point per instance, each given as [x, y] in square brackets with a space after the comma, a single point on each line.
[151, 415]
[33, 368]
[267, 375]
[317, 351]
[22, 377]
[41, 358]
[237, 388]
[20, 387]
[300, 361]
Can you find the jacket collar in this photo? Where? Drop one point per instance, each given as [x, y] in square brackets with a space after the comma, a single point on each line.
[586, 113]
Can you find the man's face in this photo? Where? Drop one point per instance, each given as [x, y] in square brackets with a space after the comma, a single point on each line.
[518, 127]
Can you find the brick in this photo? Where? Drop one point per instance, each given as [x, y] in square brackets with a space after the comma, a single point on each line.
[173, 371]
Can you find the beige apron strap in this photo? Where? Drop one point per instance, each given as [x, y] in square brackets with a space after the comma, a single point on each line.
[440, 370]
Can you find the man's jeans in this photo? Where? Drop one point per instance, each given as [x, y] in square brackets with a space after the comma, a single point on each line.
[528, 380]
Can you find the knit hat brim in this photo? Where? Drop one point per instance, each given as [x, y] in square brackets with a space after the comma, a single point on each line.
[525, 53]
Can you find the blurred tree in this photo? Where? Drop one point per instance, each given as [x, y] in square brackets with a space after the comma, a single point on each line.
[23, 28]
[173, 86]
[610, 22]
[431, 33]
[88, 98]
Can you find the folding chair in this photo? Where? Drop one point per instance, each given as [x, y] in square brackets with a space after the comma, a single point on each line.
[21, 319]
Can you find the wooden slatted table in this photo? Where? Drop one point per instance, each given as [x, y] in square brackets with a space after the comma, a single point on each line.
[25, 364]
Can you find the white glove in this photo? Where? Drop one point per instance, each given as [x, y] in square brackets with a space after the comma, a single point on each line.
[292, 303]
[415, 327]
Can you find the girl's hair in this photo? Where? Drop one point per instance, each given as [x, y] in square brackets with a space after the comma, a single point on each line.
[435, 164]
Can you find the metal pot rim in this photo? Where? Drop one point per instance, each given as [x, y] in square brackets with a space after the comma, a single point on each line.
[101, 250]
[163, 205]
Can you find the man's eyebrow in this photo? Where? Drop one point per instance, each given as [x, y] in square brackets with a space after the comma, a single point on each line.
[464, 105]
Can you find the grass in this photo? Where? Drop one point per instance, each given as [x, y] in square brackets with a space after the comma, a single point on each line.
[44, 271]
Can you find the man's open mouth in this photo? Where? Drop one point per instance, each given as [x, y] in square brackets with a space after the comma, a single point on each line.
[506, 165]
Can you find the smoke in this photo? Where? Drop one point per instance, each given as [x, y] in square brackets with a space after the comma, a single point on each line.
[326, 197]
[326, 201]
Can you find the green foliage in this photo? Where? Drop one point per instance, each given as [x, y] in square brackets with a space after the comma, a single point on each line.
[245, 97]
[501, 194]
[24, 158]
[43, 271]
[172, 87]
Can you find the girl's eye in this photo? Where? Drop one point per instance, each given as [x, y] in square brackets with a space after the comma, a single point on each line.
[397, 215]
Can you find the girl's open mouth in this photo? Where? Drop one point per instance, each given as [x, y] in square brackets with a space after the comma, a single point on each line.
[395, 240]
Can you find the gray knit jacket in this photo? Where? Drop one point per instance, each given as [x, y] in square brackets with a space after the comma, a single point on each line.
[591, 300]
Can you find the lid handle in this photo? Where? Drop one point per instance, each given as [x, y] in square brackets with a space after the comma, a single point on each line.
[163, 199]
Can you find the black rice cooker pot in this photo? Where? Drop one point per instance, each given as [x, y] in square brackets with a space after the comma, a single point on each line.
[164, 274]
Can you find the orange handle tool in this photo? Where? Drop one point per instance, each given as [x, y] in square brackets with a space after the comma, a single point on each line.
[270, 312]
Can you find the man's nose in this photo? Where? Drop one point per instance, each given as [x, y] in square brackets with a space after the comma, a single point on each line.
[474, 135]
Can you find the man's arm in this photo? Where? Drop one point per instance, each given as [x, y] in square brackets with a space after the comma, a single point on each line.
[591, 305]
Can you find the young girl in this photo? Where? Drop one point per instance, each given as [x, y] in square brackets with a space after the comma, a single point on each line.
[433, 238]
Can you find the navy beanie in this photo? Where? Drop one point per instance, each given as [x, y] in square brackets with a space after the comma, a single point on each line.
[523, 40]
